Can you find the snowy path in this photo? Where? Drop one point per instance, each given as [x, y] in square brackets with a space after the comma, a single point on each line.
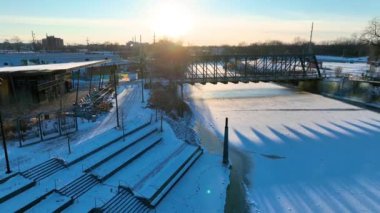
[125, 99]
[307, 153]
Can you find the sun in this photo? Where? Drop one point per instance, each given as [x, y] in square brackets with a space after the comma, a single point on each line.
[172, 20]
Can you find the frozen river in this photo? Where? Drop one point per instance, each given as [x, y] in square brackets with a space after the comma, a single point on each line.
[292, 151]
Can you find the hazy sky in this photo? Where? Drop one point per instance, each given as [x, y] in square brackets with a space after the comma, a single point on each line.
[192, 21]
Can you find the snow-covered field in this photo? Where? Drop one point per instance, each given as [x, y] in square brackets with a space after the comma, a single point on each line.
[307, 153]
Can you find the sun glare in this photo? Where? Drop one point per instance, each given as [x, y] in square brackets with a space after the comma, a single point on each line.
[172, 20]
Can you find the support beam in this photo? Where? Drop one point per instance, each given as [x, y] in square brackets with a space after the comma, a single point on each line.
[5, 146]
[13, 88]
[77, 91]
[90, 87]
[117, 105]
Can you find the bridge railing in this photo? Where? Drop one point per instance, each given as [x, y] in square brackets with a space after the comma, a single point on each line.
[252, 68]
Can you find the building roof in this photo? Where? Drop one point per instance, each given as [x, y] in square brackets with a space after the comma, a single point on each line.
[50, 67]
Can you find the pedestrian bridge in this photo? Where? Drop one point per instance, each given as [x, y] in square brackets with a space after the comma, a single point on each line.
[251, 68]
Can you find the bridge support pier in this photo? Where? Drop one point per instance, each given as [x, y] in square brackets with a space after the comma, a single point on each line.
[310, 86]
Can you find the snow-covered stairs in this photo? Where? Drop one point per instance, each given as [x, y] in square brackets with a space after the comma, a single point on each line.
[79, 186]
[156, 184]
[99, 166]
[79, 157]
[44, 169]
[54, 202]
[14, 186]
[125, 156]
[64, 197]
[125, 201]
[114, 149]
[150, 182]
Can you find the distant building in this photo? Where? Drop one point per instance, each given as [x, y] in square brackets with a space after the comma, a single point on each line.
[52, 43]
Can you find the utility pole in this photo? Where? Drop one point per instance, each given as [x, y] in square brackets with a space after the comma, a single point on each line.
[60, 84]
[5, 146]
[77, 91]
[122, 124]
[142, 72]
[33, 37]
[162, 129]
[76, 102]
[117, 105]
[154, 38]
[311, 38]
[33, 41]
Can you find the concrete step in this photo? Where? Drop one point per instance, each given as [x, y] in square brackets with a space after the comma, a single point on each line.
[39, 167]
[14, 186]
[169, 184]
[101, 149]
[97, 196]
[79, 186]
[54, 202]
[114, 149]
[44, 169]
[117, 162]
[155, 185]
[60, 199]
[125, 201]
[25, 200]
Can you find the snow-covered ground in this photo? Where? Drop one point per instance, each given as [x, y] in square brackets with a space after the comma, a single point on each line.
[327, 58]
[307, 153]
[354, 66]
[347, 68]
[195, 192]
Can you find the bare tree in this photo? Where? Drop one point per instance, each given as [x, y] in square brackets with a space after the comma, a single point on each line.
[17, 43]
[7, 45]
[371, 34]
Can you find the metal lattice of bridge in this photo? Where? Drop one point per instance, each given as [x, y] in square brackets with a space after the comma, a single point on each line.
[250, 68]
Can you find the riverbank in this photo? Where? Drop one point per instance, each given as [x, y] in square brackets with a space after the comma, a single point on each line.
[356, 102]
[362, 94]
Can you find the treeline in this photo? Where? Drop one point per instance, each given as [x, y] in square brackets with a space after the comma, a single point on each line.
[345, 48]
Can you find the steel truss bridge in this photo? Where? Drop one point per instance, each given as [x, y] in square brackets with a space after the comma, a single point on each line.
[252, 68]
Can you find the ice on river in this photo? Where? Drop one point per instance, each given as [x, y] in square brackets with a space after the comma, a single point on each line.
[308, 153]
